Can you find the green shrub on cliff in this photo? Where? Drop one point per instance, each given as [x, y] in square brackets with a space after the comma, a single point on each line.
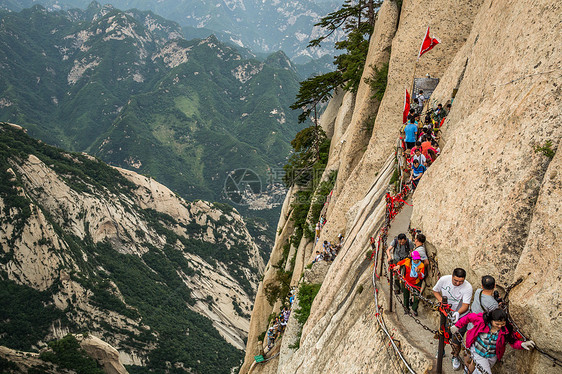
[67, 354]
[307, 293]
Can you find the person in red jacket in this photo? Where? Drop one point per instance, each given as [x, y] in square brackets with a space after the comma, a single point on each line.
[415, 272]
[487, 339]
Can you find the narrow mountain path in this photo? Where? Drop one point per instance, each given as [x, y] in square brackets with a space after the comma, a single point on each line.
[414, 332]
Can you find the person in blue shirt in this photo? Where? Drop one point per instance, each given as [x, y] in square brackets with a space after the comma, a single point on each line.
[411, 130]
[417, 172]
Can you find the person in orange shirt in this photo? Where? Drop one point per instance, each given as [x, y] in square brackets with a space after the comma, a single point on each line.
[428, 151]
[415, 272]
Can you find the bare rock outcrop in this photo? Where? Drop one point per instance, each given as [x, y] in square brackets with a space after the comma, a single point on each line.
[23, 362]
[498, 194]
[103, 353]
[262, 308]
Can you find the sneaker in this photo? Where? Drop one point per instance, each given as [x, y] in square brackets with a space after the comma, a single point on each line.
[415, 313]
[456, 363]
[406, 311]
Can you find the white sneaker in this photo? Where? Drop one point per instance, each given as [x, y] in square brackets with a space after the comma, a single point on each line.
[456, 363]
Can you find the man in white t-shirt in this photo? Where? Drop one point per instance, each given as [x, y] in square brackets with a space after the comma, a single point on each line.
[459, 293]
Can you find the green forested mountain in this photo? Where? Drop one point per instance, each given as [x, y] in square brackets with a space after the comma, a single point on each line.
[124, 85]
[90, 248]
[262, 26]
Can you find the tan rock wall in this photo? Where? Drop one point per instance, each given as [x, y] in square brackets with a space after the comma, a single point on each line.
[489, 202]
[328, 117]
[103, 353]
[451, 23]
[537, 303]
[489, 177]
[262, 309]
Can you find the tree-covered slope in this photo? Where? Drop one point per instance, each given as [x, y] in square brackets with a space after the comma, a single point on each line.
[87, 247]
[126, 87]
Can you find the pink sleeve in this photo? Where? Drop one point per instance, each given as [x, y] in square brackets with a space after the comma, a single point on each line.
[470, 317]
[517, 345]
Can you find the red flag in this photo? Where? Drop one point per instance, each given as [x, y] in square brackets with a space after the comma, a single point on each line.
[427, 43]
[406, 107]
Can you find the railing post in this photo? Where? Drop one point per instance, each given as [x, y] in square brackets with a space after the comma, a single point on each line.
[382, 259]
[391, 289]
[441, 346]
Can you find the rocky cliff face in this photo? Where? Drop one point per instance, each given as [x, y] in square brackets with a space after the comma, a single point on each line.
[489, 204]
[118, 254]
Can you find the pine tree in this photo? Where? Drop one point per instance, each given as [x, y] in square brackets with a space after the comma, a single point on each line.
[357, 21]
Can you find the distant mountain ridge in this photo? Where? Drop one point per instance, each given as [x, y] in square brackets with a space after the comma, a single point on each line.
[87, 247]
[261, 26]
[125, 86]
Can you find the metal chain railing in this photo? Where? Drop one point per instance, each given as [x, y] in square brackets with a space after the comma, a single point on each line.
[417, 320]
[394, 205]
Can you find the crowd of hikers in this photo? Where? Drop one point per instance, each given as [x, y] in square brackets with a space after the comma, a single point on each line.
[329, 250]
[481, 318]
[484, 320]
[280, 322]
[421, 139]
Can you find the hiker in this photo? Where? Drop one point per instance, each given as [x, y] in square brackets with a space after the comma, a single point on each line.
[484, 301]
[286, 313]
[459, 293]
[411, 115]
[418, 145]
[270, 337]
[418, 155]
[428, 151]
[487, 339]
[416, 106]
[400, 247]
[281, 324]
[421, 99]
[411, 130]
[419, 241]
[439, 113]
[485, 298]
[435, 145]
[417, 121]
[415, 272]
[417, 172]
[318, 257]
[317, 229]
